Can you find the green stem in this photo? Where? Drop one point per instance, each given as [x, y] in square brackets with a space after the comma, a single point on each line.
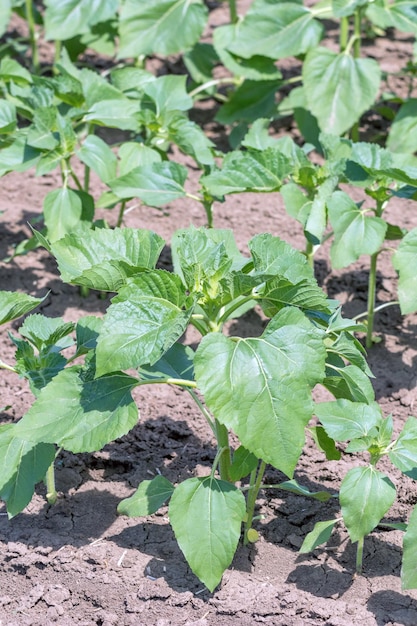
[222, 436]
[57, 54]
[233, 11]
[121, 214]
[4, 366]
[202, 328]
[179, 382]
[310, 253]
[376, 309]
[33, 37]
[357, 30]
[84, 291]
[208, 207]
[357, 42]
[75, 178]
[217, 460]
[359, 555]
[255, 485]
[51, 494]
[236, 305]
[214, 82]
[371, 299]
[86, 178]
[344, 33]
[203, 410]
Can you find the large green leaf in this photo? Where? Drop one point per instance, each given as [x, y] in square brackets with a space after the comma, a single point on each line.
[409, 564]
[344, 419]
[62, 209]
[275, 258]
[160, 26]
[339, 88]
[401, 14]
[365, 496]
[96, 154]
[280, 292]
[68, 18]
[206, 515]
[404, 452]
[248, 171]
[117, 113]
[5, 13]
[251, 100]
[261, 387]
[402, 136]
[103, 259]
[133, 154]
[14, 304]
[177, 362]
[22, 465]
[148, 498]
[405, 262]
[7, 116]
[155, 184]
[169, 93]
[320, 534]
[147, 316]
[355, 233]
[256, 68]
[18, 156]
[191, 139]
[79, 414]
[342, 8]
[277, 30]
[349, 382]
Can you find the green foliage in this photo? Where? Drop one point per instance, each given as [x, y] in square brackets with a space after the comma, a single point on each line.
[260, 388]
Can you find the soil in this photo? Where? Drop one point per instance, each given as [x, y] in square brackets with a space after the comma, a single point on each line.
[80, 563]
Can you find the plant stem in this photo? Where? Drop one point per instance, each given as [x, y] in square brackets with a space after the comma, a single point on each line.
[233, 11]
[179, 382]
[371, 299]
[203, 410]
[376, 309]
[310, 253]
[51, 494]
[359, 555]
[57, 54]
[4, 366]
[208, 207]
[236, 305]
[214, 82]
[344, 33]
[32, 36]
[357, 40]
[121, 214]
[222, 436]
[75, 178]
[255, 485]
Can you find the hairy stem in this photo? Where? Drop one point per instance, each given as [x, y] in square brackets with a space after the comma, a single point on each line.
[222, 436]
[4, 366]
[233, 11]
[371, 299]
[121, 214]
[344, 33]
[359, 555]
[255, 485]
[51, 494]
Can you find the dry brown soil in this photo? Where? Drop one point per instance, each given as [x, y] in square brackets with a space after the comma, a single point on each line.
[79, 563]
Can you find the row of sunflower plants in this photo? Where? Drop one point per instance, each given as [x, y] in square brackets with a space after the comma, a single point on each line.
[267, 401]
[60, 117]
